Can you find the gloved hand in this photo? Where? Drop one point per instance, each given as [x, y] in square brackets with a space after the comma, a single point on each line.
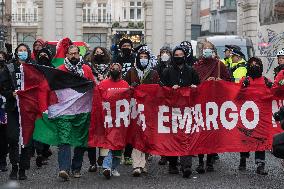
[134, 84]
[8, 47]
[281, 82]
[246, 82]
[268, 83]
[161, 83]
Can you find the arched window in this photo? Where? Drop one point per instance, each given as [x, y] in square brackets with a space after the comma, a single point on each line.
[94, 40]
[27, 38]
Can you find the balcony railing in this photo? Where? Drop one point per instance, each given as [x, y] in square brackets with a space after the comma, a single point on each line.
[97, 19]
[24, 18]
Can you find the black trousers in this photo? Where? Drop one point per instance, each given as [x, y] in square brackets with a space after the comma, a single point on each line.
[185, 161]
[41, 148]
[92, 155]
[209, 159]
[128, 151]
[3, 145]
[17, 157]
[259, 156]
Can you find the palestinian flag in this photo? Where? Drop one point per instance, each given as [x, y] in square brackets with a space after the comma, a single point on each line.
[61, 50]
[54, 106]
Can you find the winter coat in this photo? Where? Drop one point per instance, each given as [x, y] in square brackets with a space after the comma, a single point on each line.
[186, 76]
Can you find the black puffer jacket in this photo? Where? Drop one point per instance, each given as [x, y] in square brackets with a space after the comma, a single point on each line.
[9, 74]
[186, 76]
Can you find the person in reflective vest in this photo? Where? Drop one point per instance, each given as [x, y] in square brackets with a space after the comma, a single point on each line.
[238, 67]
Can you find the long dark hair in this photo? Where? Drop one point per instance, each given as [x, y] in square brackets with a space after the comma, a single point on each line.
[106, 58]
[28, 49]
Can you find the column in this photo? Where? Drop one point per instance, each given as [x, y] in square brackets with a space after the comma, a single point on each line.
[179, 21]
[158, 25]
[69, 19]
[49, 20]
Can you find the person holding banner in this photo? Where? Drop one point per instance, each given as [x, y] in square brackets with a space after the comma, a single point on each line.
[126, 58]
[43, 57]
[209, 68]
[73, 63]
[164, 60]
[10, 83]
[113, 83]
[3, 120]
[254, 76]
[142, 73]
[99, 61]
[180, 75]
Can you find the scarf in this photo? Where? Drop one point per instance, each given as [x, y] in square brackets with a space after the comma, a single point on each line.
[75, 69]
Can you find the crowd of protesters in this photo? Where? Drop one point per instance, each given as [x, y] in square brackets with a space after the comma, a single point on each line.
[126, 66]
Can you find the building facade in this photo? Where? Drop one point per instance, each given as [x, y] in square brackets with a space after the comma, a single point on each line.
[5, 26]
[218, 17]
[167, 22]
[97, 22]
[263, 22]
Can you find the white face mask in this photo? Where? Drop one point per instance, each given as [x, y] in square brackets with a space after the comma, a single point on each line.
[165, 57]
[144, 62]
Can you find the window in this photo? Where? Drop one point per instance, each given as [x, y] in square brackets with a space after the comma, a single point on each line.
[86, 13]
[271, 12]
[95, 40]
[124, 13]
[27, 38]
[102, 12]
[35, 14]
[132, 16]
[135, 10]
[231, 3]
[138, 14]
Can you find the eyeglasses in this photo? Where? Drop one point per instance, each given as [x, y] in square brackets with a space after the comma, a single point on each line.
[73, 54]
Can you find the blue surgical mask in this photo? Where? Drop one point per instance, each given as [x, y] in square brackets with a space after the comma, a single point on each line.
[23, 56]
[144, 62]
[207, 53]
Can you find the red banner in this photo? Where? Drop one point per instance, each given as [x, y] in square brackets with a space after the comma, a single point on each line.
[216, 117]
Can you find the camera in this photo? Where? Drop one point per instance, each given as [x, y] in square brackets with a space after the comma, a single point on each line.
[279, 116]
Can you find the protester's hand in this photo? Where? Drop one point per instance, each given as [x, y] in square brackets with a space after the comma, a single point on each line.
[176, 87]
[100, 77]
[8, 47]
[15, 93]
[161, 83]
[246, 82]
[211, 79]
[134, 84]
[281, 82]
[218, 79]
[193, 86]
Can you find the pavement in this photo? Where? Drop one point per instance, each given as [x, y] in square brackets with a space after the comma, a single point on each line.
[226, 175]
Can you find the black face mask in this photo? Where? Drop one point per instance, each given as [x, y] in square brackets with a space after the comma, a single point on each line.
[2, 62]
[74, 61]
[255, 71]
[44, 61]
[126, 51]
[114, 74]
[98, 58]
[178, 60]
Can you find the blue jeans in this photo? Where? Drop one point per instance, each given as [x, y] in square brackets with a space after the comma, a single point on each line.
[64, 158]
[110, 162]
